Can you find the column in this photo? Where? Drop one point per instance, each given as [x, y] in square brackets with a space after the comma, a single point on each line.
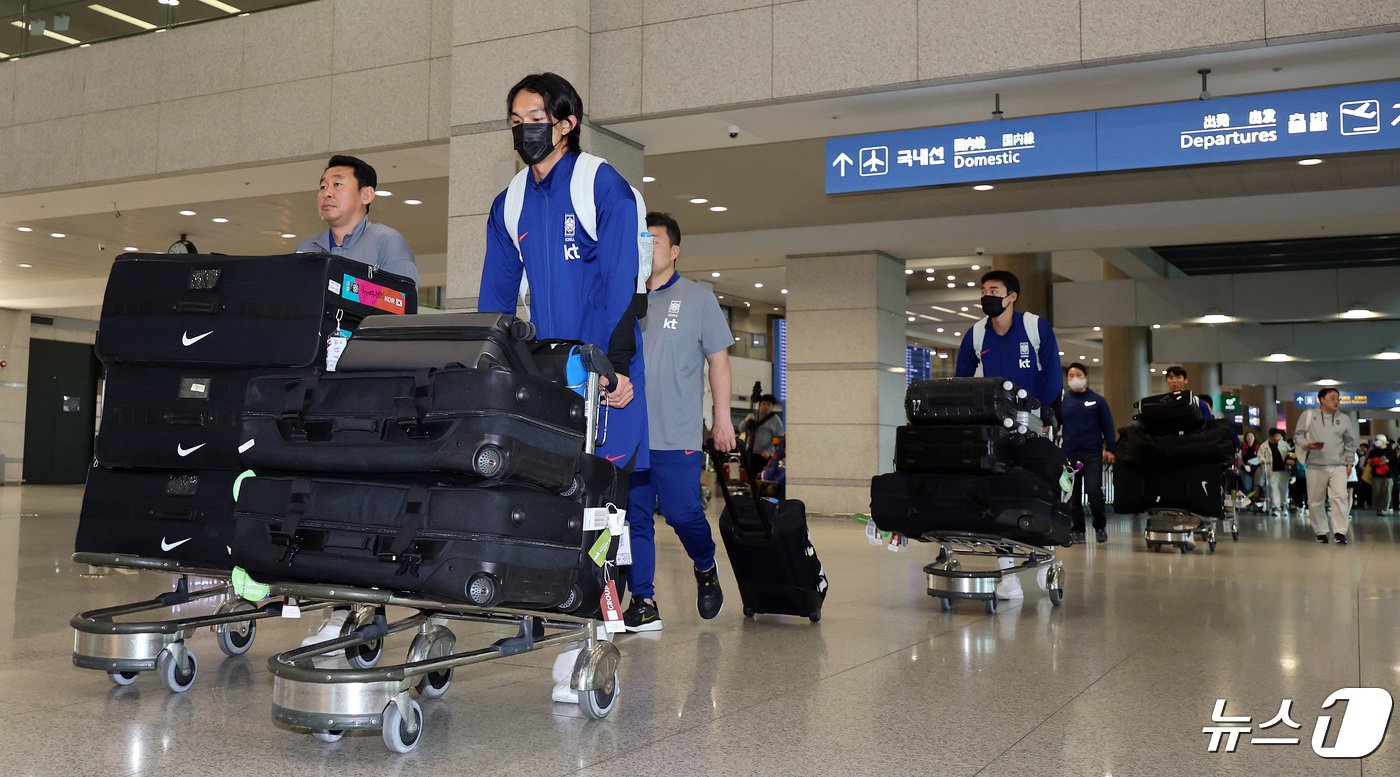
[845, 398]
[1204, 378]
[1125, 379]
[1033, 271]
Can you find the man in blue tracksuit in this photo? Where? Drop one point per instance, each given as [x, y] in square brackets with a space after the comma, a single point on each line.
[582, 286]
[1088, 425]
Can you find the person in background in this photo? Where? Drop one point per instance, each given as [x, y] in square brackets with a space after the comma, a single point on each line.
[761, 431]
[1273, 468]
[1382, 461]
[343, 200]
[1088, 442]
[1249, 460]
[1326, 440]
[1178, 380]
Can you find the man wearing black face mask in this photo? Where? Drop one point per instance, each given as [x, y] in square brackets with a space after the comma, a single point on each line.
[1017, 346]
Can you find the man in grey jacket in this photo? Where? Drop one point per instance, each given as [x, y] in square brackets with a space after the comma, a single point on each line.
[1326, 440]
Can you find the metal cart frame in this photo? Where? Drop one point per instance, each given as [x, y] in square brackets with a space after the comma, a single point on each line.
[949, 582]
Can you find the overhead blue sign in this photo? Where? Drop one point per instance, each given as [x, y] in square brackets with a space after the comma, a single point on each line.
[1362, 399]
[1312, 122]
[964, 153]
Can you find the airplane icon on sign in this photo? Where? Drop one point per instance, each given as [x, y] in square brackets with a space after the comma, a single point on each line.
[874, 160]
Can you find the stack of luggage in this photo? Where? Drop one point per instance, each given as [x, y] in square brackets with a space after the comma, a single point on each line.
[967, 462]
[1172, 457]
[445, 456]
[182, 337]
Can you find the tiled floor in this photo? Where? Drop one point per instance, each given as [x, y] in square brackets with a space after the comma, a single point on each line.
[1120, 680]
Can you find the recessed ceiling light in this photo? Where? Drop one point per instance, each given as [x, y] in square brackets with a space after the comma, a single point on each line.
[983, 187]
[1096, 360]
[1082, 357]
[957, 334]
[1098, 329]
[908, 272]
[131, 248]
[964, 308]
[1156, 326]
[942, 355]
[1153, 370]
[57, 234]
[25, 229]
[383, 193]
[648, 179]
[1329, 382]
[748, 304]
[85, 46]
[972, 283]
[952, 277]
[940, 330]
[718, 208]
[287, 235]
[1310, 162]
[782, 291]
[188, 213]
[1278, 357]
[1357, 311]
[24, 265]
[758, 285]
[714, 275]
[698, 200]
[775, 310]
[952, 285]
[930, 278]
[413, 202]
[1216, 318]
[1389, 356]
[1062, 353]
[976, 266]
[911, 318]
[219, 220]
[720, 296]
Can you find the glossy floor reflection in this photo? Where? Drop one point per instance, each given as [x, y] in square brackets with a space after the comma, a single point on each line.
[1118, 681]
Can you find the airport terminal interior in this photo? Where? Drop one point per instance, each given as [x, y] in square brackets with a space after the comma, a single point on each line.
[1210, 185]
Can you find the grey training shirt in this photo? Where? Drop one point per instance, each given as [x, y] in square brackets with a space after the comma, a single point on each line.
[370, 243]
[683, 326]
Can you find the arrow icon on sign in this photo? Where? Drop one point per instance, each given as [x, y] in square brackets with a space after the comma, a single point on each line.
[843, 162]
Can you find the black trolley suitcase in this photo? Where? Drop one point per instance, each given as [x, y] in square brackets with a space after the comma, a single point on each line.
[447, 339]
[963, 401]
[771, 553]
[240, 310]
[1177, 411]
[485, 422]
[184, 516]
[1016, 505]
[1197, 488]
[968, 449]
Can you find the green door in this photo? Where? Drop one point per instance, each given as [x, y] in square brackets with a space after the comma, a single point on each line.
[61, 415]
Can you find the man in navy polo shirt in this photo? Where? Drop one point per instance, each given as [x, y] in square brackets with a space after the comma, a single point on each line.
[343, 199]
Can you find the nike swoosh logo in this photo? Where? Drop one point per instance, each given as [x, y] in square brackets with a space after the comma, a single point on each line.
[187, 341]
[689, 453]
[169, 546]
[521, 239]
[984, 353]
[617, 458]
[183, 451]
[1091, 404]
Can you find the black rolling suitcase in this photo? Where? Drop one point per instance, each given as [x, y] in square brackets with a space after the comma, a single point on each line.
[1177, 411]
[485, 422]
[179, 417]
[1193, 487]
[967, 449]
[771, 553]
[183, 516]
[448, 339]
[963, 401]
[1041, 457]
[240, 311]
[1017, 505]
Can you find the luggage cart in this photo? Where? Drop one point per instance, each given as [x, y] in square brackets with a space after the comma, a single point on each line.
[332, 701]
[949, 582]
[1169, 526]
[110, 641]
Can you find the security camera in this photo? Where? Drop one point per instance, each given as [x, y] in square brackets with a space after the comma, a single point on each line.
[733, 131]
[980, 251]
[102, 246]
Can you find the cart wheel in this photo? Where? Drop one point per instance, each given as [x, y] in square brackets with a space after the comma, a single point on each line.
[364, 656]
[945, 602]
[748, 612]
[597, 703]
[1184, 548]
[238, 638]
[1154, 546]
[432, 685]
[815, 616]
[177, 678]
[123, 678]
[1212, 546]
[1057, 595]
[329, 735]
[1235, 535]
[992, 606]
[397, 737]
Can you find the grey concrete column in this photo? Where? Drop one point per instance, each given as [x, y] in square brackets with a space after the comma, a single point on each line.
[1124, 379]
[845, 369]
[1033, 271]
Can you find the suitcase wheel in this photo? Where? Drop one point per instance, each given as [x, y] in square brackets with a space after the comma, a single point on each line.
[815, 616]
[748, 612]
[481, 590]
[490, 461]
[571, 602]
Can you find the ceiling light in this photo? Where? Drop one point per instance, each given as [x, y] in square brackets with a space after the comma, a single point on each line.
[85, 46]
[287, 235]
[1356, 311]
[1082, 357]
[758, 285]
[383, 193]
[1156, 326]
[976, 266]
[911, 318]
[952, 285]
[698, 200]
[1096, 360]
[1153, 370]
[119, 16]
[25, 229]
[47, 33]
[971, 283]
[1310, 162]
[1278, 357]
[983, 187]
[748, 304]
[721, 296]
[930, 278]
[1329, 382]
[24, 265]
[1062, 353]
[188, 213]
[130, 249]
[648, 179]
[964, 308]
[219, 220]
[940, 330]
[413, 202]
[957, 334]
[1389, 356]
[1216, 318]
[775, 310]
[225, 7]
[718, 208]
[908, 272]
[1098, 329]
[714, 275]
[57, 234]
[952, 277]
[782, 291]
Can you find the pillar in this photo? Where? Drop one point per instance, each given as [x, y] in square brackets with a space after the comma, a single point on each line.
[1203, 378]
[1033, 271]
[1125, 378]
[845, 376]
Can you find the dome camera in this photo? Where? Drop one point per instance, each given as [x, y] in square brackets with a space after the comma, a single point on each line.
[733, 131]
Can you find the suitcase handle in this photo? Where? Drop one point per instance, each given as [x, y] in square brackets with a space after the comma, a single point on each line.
[190, 306]
[722, 482]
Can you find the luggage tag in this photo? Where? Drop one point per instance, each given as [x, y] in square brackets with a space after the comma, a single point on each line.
[898, 543]
[290, 608]
[872, 534]
[1067, 481]
[335, 343]
[599, 551]
[600, 518]
[624, 546]
[612, 616]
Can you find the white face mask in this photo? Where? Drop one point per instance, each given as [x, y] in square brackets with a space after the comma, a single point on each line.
[1078, 384]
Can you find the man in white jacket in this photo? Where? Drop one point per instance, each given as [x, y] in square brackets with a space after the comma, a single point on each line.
[1326, 439]
[1273, 463]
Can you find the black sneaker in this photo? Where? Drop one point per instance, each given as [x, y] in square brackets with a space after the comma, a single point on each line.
[1341, 538]
[1101, 535]
[1322, 538]
[1077, 537]
[709, 599]
[642, 616]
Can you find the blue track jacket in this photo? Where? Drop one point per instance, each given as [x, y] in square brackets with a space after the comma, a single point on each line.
[1010, 356]
[580, 289]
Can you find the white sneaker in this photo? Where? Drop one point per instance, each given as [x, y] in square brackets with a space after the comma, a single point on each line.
[330, 629]
[1010, 586]
[563, 677]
